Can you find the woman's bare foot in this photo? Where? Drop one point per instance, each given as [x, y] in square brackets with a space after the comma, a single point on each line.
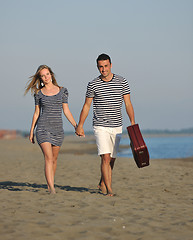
[51, 191]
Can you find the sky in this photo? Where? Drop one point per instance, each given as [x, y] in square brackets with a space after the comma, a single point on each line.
[150, 43]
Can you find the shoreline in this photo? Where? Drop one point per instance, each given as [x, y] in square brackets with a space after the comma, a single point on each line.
[78, 146]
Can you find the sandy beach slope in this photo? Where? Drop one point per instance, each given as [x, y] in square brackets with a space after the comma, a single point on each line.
[155, 202]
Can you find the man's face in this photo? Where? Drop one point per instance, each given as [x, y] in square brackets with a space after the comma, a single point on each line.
[104, 67]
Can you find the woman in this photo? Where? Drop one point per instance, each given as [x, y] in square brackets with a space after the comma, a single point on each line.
[50, 99]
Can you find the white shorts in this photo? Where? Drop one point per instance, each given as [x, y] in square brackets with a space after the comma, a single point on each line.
[108, 139]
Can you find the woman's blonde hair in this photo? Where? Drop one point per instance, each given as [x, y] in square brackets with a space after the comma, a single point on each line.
[35, 81]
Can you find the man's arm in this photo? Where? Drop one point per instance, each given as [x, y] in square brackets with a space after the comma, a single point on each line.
[129, 108]
[83, 116]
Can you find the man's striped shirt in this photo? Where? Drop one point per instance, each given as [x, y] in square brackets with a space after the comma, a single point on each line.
[107, 100]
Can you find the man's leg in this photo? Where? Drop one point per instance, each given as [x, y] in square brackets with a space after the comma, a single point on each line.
[107, 144]
[115, 140]
[106, 172]
[101, 184]
[112, 163]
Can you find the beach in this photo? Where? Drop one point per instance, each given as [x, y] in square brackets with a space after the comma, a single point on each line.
[155, 202]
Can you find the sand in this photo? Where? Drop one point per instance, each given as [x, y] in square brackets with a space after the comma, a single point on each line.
[155, 202]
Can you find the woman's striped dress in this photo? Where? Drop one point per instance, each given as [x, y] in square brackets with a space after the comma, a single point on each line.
[49, 124]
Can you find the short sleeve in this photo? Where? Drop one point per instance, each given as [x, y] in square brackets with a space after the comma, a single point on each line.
[126, 88]
[65, 96]
[90, 91]
[36, 99]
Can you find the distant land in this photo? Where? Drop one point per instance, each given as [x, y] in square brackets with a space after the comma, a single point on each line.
[166, 131]
[145, 131]
[10, 134]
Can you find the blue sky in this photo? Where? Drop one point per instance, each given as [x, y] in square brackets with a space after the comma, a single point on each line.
[150, 43]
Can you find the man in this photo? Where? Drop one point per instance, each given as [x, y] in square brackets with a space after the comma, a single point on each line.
[107, 93]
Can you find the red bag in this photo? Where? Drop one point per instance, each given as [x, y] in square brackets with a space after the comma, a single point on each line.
[138, 146]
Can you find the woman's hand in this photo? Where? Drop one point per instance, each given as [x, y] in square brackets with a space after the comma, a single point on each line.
[31, 138]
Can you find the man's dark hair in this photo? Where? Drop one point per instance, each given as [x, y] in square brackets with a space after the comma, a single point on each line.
[103, 56]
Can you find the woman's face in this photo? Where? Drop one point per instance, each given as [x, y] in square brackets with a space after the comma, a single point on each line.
[45, 76]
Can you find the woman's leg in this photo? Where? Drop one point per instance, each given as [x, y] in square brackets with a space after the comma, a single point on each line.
[55, 150]
[49, 166]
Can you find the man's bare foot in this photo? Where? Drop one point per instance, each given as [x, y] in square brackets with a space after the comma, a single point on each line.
[110, 194]
[102, 188]
[100, 183]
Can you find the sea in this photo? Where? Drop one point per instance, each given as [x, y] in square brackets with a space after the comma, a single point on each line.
[162, 147]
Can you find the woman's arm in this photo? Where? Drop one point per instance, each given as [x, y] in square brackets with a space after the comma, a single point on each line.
[68, 114]
[34, 121]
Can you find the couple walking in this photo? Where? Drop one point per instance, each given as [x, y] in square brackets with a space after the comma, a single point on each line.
[107, 92]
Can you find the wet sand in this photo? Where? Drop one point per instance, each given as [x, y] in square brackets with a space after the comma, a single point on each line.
[155, 202]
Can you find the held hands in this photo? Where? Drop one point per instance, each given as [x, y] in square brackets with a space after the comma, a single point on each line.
[79, 131]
